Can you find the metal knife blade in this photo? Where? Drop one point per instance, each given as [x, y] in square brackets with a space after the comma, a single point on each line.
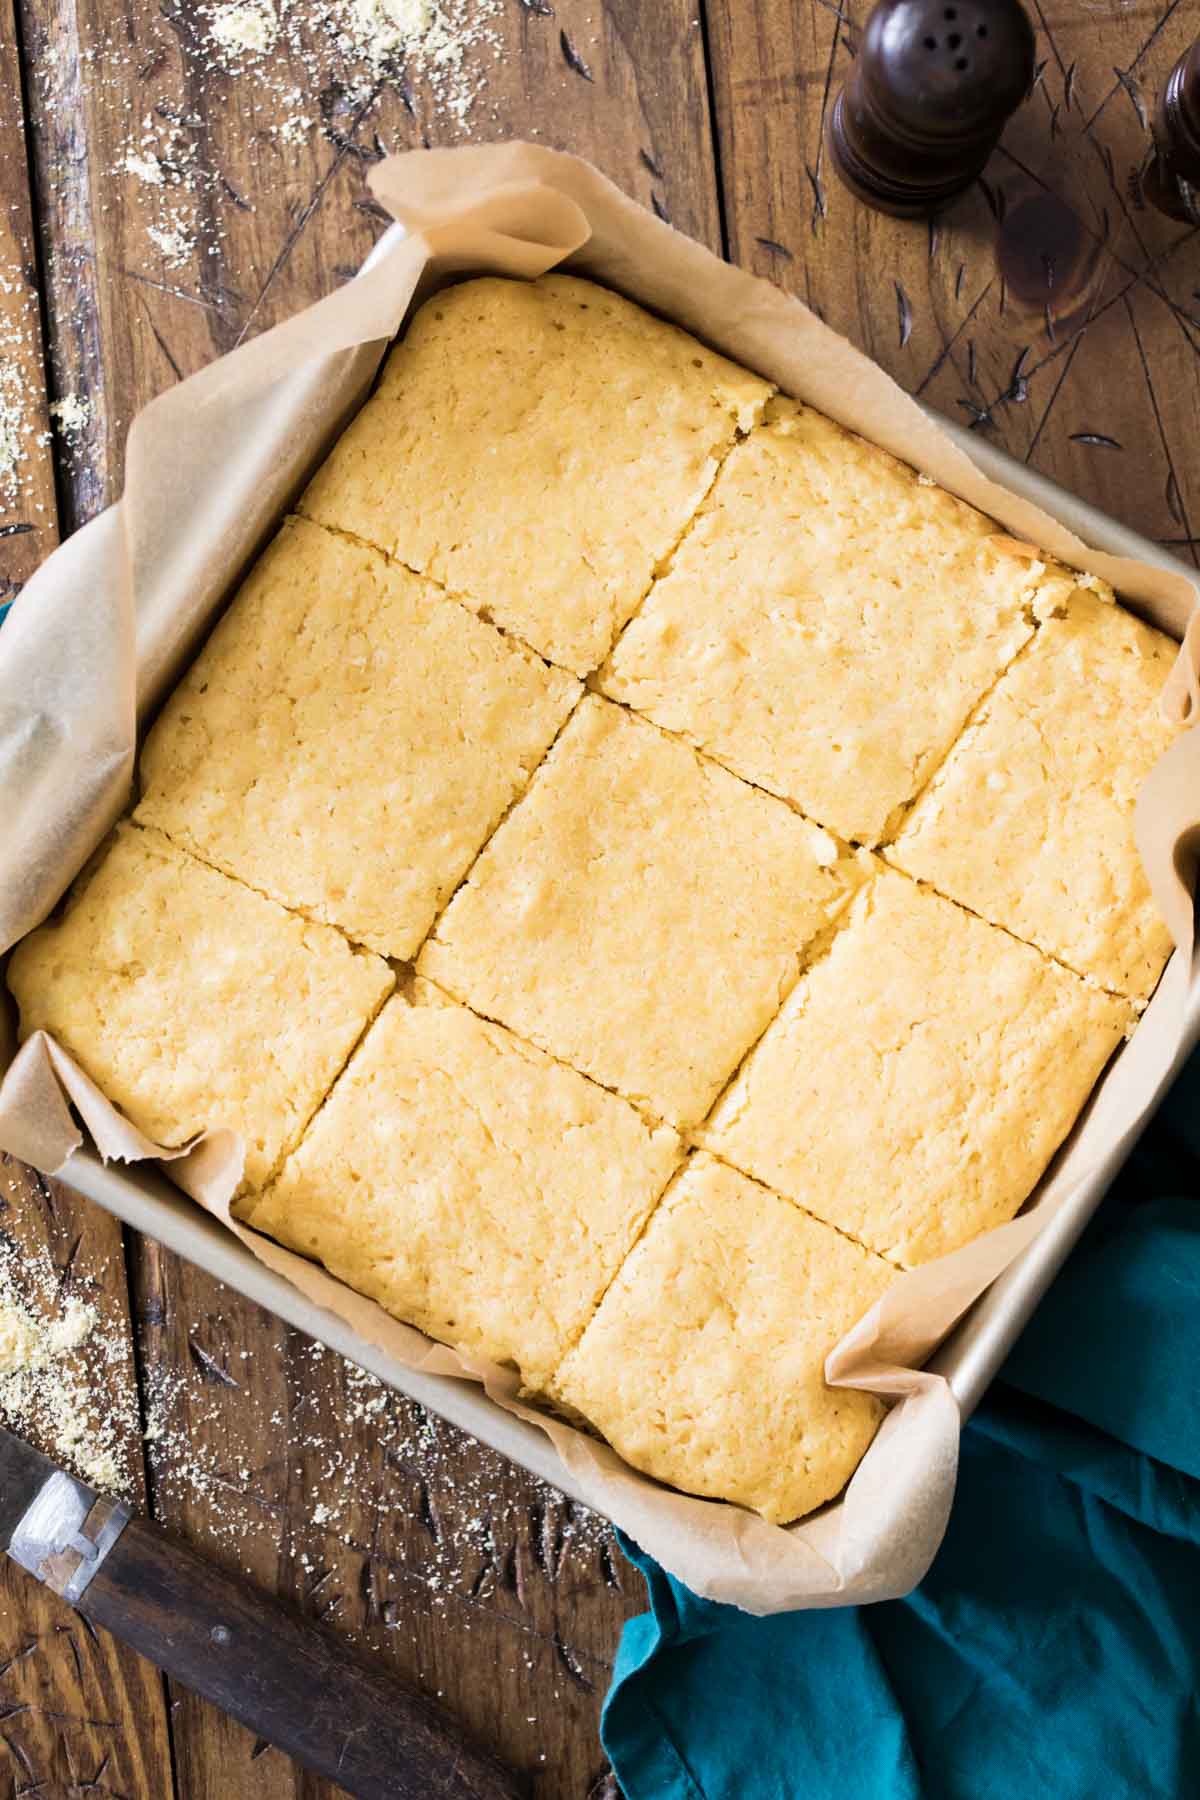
[23, 1473]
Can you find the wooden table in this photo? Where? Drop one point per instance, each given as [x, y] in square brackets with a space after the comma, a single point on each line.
[479, 1585]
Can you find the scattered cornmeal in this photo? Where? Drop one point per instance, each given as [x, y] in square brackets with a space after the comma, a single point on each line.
[192, 1001]
[705, 1363]
[920, 1077]
[1030, 822]
[348, 739]
[828, 623]
[537, 447]
[469, 1184]
[640, 914]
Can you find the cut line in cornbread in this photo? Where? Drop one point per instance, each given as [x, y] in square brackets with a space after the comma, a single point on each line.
[192, 1001]
[348, 738]
[1030, 822]
[537, 447]
[828, 623]
[471, 1185]
[640, 914]
[920, 1076]
[704, 1365]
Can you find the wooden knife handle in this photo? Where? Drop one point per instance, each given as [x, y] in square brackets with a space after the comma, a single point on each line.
[284, 1678]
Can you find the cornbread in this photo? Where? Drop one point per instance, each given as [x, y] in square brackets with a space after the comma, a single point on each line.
[537, 448]
[828, 623]
[348, 738]
[704, 1365]
[640, 914]
[1030, 822]
[778, 955]
[192, 1001]
[920, 1077]
[469, 1184]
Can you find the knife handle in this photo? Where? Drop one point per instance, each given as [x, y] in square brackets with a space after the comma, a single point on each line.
[284, 1678]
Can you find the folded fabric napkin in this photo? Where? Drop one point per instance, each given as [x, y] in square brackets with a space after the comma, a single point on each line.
[1054, 1647]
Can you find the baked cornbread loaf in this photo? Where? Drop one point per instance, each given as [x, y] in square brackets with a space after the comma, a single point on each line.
[828, 623]
[192, 1001]
[537, 448]
[705, 1362]
[935, 1065]
[640, 914]
[343, 703]
[779, 958]
[470, 1184]
[1030, 820]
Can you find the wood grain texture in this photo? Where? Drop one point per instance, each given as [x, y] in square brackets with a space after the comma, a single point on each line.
[76, 1706]
[347, 1719]
[28, 513]
[931, 302]
[460, 1572]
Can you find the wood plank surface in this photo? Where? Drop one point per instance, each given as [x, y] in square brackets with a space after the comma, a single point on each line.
[28, 511]
[185, 196]
[1101, 394]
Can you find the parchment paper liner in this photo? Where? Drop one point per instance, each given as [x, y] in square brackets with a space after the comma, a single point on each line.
[106, 623]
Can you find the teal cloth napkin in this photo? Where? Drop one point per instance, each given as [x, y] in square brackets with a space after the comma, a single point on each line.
[1054, 1647]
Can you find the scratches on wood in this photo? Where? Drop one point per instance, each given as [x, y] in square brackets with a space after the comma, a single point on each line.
[209, 1367]
[1133, 88]
[570, 1662]
[572, 57]
[818, 193]
[903, 314]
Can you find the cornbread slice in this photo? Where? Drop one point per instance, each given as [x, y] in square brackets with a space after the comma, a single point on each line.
[827, 624]
[469, 1184]
[920, 1077]
[348, 738]
[537, 447]
[704, 1365]
[1030, 822]
[191, 1001]
[641, 913]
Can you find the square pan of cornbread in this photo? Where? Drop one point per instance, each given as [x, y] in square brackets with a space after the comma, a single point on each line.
[469, 1184]
[133, 1198]
[829, 623]
[146, 981]
[705, 1363]
[537, 448]
[1029, 821]
[920, 1077]
[641, 912]
[348, 738]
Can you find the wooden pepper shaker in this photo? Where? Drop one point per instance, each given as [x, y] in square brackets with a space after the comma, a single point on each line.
[933, 86]
[1172, 182]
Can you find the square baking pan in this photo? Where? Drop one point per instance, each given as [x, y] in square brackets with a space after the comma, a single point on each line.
[969, 1357]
